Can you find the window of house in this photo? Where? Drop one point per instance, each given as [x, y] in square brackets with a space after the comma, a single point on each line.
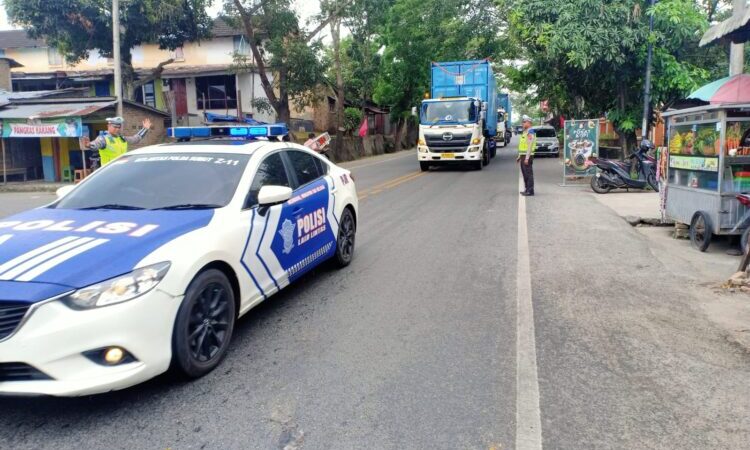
[218, 92]
[241, 46]
[178, 54]
[146, 95]
[54, 57]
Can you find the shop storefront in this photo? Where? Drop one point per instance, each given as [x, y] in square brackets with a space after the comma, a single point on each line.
[41, 138]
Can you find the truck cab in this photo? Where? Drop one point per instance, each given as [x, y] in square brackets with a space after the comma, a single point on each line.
[451, 131]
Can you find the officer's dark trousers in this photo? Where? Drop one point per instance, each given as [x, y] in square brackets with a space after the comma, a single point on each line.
[527, 170]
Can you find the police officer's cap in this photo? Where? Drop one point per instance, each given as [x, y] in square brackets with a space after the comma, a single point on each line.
[526, 118]
[115, 120]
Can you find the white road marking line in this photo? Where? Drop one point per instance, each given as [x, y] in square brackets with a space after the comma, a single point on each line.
[5, 237]
[528, 415]
[37, 251]
[33, 262]
[52, 263]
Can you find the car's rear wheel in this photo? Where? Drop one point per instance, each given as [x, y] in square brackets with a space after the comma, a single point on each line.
[346, 238]
[204, 325]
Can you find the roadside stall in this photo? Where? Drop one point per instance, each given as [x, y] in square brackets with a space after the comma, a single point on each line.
[709, 164]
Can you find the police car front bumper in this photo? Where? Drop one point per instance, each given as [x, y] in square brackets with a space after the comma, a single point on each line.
[54, 340]
[472, 153]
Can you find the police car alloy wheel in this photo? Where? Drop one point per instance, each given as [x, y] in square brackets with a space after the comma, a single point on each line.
[204, 325]
[347, 233]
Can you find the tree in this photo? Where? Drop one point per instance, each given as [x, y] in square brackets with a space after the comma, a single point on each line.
[281, 48]
[587, 57]
[417, 32]
[76, 27]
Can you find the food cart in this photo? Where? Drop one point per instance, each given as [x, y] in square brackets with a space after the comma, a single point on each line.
[709, 165]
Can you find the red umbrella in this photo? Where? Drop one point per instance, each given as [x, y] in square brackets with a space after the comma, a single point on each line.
[735, 89]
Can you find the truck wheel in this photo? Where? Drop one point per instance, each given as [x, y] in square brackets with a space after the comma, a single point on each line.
[493, 152]
[485, 157]
[424, 166]
[701, 231]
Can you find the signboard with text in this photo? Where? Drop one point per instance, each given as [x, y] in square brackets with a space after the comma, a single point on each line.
[581, 143]
[65, 127]
[700, 163]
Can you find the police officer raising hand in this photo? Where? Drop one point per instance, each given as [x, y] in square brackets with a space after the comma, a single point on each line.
[112, 143]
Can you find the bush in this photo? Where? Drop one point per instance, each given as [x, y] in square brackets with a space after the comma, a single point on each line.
[352, 119]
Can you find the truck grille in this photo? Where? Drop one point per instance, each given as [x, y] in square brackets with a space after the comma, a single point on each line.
[11, 314]
[448, 142]
[15, 371]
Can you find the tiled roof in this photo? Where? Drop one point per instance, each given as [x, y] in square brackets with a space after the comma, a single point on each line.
[221, 28]
[19, 39]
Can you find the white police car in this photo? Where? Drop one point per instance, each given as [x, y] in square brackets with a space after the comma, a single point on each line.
[146, 265]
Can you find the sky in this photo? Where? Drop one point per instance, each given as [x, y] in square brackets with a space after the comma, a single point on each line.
[306, 9]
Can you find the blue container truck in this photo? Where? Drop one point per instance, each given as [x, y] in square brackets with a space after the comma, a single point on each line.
[458, 123]
[504, 130]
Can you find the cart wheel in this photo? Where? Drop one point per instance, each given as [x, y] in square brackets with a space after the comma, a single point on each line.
[701, 230]
[745, 240]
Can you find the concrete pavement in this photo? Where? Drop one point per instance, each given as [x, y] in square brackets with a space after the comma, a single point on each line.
[415, 345]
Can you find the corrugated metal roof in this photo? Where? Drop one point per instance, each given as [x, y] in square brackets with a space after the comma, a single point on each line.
[735, 28]
[19, 39]
[177, 71]
[26, 95]
[41, 111]
[11, 62]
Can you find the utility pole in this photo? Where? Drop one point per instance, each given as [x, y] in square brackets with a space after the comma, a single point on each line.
[737, 51]
[116, 53]
[647, 87]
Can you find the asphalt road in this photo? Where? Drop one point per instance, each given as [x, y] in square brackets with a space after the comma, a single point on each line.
[415, 344]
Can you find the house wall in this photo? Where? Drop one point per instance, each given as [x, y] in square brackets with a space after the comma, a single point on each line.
[5, 83]
[214, 51]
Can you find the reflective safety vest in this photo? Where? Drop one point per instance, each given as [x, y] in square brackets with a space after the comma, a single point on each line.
[526, 140]
[116, 146]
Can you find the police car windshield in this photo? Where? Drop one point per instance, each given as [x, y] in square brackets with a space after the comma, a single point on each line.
[159, 181]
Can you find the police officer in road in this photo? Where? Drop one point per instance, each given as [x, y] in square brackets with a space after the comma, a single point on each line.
[526, 150]
[112, 143]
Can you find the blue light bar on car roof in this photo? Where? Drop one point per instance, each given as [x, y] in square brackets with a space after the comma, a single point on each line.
[235, 131]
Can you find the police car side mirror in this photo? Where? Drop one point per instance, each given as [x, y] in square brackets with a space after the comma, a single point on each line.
[65, 190]
[273, 195]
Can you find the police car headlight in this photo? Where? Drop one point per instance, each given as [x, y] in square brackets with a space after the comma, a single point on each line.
[118, 290]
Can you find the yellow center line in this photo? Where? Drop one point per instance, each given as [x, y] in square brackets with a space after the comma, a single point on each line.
[389, 184]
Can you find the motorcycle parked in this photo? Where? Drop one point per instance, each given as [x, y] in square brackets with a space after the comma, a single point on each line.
[616, 174]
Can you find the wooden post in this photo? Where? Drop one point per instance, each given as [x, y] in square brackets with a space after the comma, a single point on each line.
[240, 119]
[5, 170]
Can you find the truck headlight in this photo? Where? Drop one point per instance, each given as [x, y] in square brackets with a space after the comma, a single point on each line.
[422, 149]
[117, 290]
[476, 141]
[473, 149]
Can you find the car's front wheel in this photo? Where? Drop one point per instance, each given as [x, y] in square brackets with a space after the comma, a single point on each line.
[345, 241]
[204, 325]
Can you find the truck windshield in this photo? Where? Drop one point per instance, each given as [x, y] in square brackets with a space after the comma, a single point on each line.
[448, 112]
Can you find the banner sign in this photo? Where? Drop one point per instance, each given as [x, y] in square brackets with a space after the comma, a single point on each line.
[694, 163]
[67, 127]
[581, 142]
